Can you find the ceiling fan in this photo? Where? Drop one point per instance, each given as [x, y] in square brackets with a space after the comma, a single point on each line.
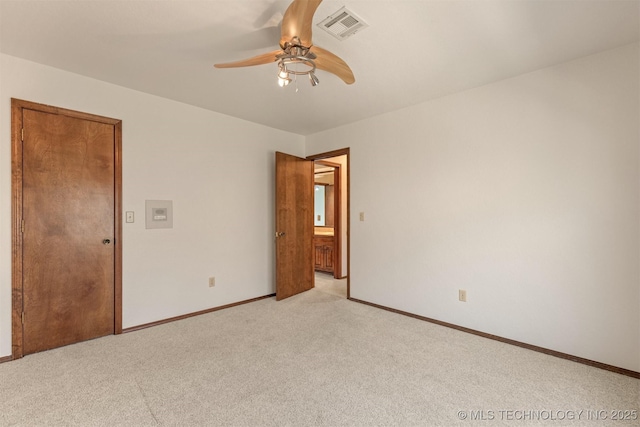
[297, 55]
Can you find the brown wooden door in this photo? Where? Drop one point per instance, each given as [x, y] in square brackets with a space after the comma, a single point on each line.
[68, 209]
[294, 225]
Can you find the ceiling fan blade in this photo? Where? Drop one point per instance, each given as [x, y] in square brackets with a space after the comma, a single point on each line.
[327, 61]
[265, 58]
[297, 21]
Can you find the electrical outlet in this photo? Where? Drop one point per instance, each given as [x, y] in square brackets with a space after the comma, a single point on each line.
[462, 295]
[361, 216]
[212, 282]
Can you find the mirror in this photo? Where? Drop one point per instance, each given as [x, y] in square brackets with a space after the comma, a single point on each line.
[319, 217]
[324, 196]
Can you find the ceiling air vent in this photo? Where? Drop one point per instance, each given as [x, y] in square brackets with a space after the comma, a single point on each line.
[343, 24]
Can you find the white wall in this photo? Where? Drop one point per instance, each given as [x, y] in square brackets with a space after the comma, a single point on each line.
[524, 192]
[217, 170]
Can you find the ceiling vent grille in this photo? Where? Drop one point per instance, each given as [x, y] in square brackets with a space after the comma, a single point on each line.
[343, 24]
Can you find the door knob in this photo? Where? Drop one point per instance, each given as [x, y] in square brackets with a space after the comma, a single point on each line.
[279, 233]
[106, 241]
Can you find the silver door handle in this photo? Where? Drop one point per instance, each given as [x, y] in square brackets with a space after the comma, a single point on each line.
[106, 241]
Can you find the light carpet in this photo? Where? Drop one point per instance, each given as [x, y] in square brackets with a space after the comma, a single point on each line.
[315, 359]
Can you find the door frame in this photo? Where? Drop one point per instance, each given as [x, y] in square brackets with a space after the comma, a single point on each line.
[327, 155]
[17, 105]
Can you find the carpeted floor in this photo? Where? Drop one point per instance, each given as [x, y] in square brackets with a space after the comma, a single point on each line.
[315, 359]
[326, 283]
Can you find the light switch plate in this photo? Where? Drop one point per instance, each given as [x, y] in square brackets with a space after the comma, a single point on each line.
[130, 216]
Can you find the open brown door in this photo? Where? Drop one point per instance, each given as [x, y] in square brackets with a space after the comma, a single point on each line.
[294, 225]
[69, 189]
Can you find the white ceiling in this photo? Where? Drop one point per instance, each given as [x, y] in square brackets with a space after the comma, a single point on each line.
[413, 51]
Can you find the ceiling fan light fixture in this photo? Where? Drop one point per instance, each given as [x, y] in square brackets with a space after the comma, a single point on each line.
[298, 63]
[283, 75]
[283, 82]
[313, 79]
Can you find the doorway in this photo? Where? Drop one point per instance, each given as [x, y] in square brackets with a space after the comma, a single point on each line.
[294, 225]
[66, 210]
[328, 218]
